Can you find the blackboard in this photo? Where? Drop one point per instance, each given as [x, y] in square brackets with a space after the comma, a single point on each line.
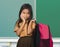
[48, 12]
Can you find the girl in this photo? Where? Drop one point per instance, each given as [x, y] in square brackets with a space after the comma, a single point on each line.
[25, 26]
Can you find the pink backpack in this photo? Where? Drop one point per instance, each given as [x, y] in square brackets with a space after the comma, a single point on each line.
[45, 34]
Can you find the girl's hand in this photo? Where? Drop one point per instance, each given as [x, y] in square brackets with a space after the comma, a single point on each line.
[32, 22]
[22, 18]
[31, 26]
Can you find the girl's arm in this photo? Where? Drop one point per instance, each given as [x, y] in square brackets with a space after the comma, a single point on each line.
[19, 30]
[31, 27]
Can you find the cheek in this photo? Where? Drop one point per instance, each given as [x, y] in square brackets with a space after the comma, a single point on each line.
[28, 16]
[22, 15]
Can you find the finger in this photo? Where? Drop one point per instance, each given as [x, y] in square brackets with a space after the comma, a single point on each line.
[33, 20]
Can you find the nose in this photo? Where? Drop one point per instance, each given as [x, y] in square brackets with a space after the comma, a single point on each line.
[25, 15]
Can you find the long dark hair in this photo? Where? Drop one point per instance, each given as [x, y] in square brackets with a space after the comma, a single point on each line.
[25, 6]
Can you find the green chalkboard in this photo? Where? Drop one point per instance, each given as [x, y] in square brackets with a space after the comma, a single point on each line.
[9, 10]
[48, 12]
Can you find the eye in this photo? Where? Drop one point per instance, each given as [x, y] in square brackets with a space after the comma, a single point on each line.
[23, 12]
[28, 13]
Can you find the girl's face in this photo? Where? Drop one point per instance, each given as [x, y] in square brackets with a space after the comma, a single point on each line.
[25, 14]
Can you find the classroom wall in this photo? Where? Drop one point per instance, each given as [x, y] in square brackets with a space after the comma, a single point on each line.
[45, 11]
[9, 12]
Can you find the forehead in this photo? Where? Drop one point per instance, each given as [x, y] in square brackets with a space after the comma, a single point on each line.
[25, 10]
